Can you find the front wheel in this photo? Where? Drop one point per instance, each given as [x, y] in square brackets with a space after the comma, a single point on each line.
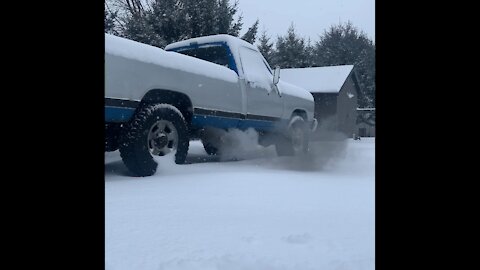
[156, 130]
[296, 141]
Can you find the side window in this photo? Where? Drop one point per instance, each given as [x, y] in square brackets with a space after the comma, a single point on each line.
[214, 54]
[254, 67]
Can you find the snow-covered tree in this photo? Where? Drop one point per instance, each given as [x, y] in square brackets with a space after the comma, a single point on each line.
[167, 20]
[110, 20]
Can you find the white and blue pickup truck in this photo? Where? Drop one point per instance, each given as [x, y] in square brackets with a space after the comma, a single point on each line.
[157, 100]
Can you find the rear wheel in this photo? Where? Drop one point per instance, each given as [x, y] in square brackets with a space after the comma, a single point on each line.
[210, 148]
[212, 140]
[156, 130]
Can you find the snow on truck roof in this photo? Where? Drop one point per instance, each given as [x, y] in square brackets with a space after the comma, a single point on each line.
[233, 42]
[142, 52]
[318, 79]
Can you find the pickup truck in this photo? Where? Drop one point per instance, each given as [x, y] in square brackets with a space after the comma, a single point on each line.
[157, 100]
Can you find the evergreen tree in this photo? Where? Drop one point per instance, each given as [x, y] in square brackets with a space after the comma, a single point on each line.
[266, 48]
[223, 19]
[138, 28]
[291, 51]
[225, 14]
[309, 54]
[167, 20]
[109, 22]
[345, 45]
[201, 17]
[251, 35]
[160, 22]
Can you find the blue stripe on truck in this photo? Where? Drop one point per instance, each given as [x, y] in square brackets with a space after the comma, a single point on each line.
[117, 114]
[225, 122]
[124, 114]
[214, 121]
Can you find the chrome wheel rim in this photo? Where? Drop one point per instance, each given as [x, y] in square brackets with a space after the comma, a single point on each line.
[162, 138]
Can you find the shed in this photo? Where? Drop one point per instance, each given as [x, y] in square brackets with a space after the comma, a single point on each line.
[335, 90]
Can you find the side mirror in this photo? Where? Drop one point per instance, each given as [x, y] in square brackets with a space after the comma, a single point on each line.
[276, 75]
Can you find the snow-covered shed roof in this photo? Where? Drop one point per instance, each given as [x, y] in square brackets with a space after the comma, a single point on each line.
[318, 79]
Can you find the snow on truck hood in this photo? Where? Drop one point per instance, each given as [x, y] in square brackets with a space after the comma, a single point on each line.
[293, 90]
[142, 52]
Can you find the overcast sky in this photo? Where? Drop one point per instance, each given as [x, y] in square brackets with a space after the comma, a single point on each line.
[310, 17]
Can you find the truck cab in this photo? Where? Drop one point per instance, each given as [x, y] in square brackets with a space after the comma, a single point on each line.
[256, 84]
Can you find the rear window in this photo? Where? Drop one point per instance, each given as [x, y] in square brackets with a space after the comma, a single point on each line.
[214, 54]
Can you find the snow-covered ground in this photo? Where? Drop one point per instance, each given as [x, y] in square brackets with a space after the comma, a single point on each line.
[262, 212]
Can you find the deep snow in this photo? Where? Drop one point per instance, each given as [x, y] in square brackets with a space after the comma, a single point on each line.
[263, 212]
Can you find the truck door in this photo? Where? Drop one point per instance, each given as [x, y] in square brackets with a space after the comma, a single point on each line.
[264, 104]
[218, 102]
